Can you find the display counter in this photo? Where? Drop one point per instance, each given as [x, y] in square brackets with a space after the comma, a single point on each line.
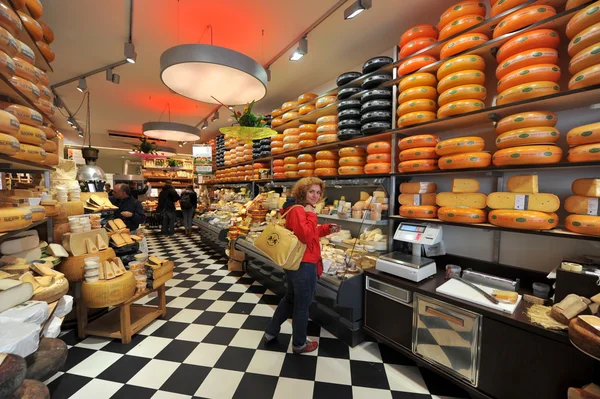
[213, 236]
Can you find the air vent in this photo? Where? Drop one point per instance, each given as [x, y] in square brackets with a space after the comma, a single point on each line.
[129, 137]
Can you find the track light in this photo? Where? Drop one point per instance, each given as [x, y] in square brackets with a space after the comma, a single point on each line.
[268, 74]
[109, 74]
[70, 121]
[356, 8]
[301, 51]
[205, 126]
[180, 144]
[215, 116]
[130, 53]
[116, 78]
[185, 142]
[82, 86]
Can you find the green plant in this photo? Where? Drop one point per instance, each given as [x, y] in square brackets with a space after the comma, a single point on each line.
[172, 163]
[145, 146]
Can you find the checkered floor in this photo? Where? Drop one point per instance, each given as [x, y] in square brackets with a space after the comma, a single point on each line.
[209, 346]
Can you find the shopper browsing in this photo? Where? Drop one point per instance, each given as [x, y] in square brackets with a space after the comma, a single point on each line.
[188, 203]
[166, 207]
[130, 210]
[135, 193]
[301, 283]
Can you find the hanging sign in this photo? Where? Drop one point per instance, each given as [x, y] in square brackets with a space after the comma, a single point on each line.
[203, 164]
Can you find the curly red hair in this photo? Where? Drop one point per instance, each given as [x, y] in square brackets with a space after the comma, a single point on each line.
[301, 188]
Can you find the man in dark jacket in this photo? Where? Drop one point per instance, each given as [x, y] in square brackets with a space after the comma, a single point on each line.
[135, 193]
[130, 210]
[188, 203]
[166, 206]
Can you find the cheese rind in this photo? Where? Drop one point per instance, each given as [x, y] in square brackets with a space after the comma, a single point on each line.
[460, 185]
[105, 293]
[422, 211]
[586, 187]
[523, 184]
[525, 220]
[21, 244]
[468, 200]
[462, 215]
[418, 188]
[526, 202]
[417, 199]
[583, 224]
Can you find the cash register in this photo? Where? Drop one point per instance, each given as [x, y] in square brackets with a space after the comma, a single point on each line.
[413, 267]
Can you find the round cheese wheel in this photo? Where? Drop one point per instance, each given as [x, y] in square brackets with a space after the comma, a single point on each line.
[584, 153]
[526, 119]
[352, 151]
[327, 138]
[326, 172]
[306, 172]
[259, 165]
[30, 153]
[326, 163]
[45, 92]
[469, 7]
[48, 33]
[104, 293]
[278, 162]
[307, 136]
[528, 155]
[327, 120]
[414, 64]
[416, 106]
[306, 165]
[461, 24]
[498, 7]
[417, 79]
[30, 135]
[583, 224]
[308, 127]
[351, 170]
[7, 66]
[460, 145]
[534, 73]
[287, 139]
[276, 112]
[10, 21]
[527, 136]
[461, 78]
[26, 87]
[416, 45]
[585, 38]
[326, 154]
[277, 138]
[306, 97]
[51, 160]
[39, 212]
[290, 147]
[422, 140]
[306, 109]
[461, 63]
[8, 44]
[18, 4]
[465, 92]
[525, 59]
[522, 18]
[419, 211]
[416, 32]
[278, 169]
[525, 220]
[276, 144]
[379, 147]
[307, 143]
[462, 215]
[459, 107]
[352, 161]
[379, 158]
[414, 118]
[583, 19]
[586, 134]
[586, 58]
[418, 153]
[25, 52]
[575, 3]
[9, 123]
[325, 101]
[14, 218]
[35, 8]
[291, 132]
[588, 77]
[288, 116]
[419, 92]
[378, 167]
[277, 121]
[9, 145]
[418, 165]
[305, 158]
[32, 26]
[462, 43]
[290, 160]
[538, 38]
[286, 106]
[278, 176]
[329, 128]
[527, 91]
[289, 174]
[465, 160]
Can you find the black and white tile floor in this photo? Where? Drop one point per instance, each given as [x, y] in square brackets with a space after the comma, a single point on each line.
[210, 346]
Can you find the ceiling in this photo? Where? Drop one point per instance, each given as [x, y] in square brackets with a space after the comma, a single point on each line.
[90, 35]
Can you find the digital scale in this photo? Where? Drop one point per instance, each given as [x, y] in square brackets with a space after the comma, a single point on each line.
[413, 267]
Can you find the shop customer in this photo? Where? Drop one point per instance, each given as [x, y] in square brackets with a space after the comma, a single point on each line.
[301, 283]
[166, 208]
[188, 203]
[130, 210]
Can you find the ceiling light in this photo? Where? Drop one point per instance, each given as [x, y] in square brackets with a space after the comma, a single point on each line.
[80, 134]
[82, 86]
[70, 121]
[268, 74]
[205, 126]
[215, 116]
[170, 131]
[301, 51]
[116, 78]
[130, 54]
[209, 73]
[109, 74]
[356, 8]
[185, 142]
[180, 144]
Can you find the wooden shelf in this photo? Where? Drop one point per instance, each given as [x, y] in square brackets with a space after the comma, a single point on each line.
[40, 61]
[9, 234]
[168, 168]
[264, 159]
[12, 165]
[7, 89]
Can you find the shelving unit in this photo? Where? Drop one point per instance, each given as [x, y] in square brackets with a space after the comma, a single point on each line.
[351, 220]
[40, 61]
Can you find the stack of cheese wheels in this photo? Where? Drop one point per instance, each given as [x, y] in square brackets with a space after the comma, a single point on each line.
[527, 66]
[523, 207]
[458, 18]
[289, 111]
[583, 206]
[418, 200]
[278, 169]
[352, 161]
[461, 84]
[247, 153]
[30, 136]
[276, 145]
[416, 101]
[522, 18]
[462, 153]
[308, 135]
[51, 146]
[290, 167]
[527, 138]
[379, 158]
[306, 165]
[464, 204]
[417, 38]
[257, 168]
[9, 129]
[327, 128]
[326, 163]
[584, 31]
[417, 153]
[585, 143]
[291, 139]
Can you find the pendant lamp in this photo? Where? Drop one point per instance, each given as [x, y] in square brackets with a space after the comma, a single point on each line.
[171, 131]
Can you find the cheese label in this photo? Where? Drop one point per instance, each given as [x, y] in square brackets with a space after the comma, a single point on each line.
[592, 208]
[417, 200]
[521, 202]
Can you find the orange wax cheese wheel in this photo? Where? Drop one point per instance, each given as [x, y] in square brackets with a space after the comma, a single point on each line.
[291, 132]
[522, 18]
[528, 155]
[277, 121]
[288, 139]
[9, 123]
[326, 172]
[306, 97]
[585, 38]
[417, 199]
[326, 154]
[351, 151]
[584, 153]
[465, 200]
[25, 52]
[461, 63]
[276, 144]
[582, 205]
[583, 19]
[583, 224]
[416, 45]
[588, 77]
[416, 32]
[575, 3]
[277, 137]
[418, 187]
[465, 92]
[259, 165]
[278, 176]
[9, 20]
[307, 143]
[418, 211]
[306, 172]
[327, 120]
[327, 138]
[30, 135]
[525, 59]
[325, 101]
[288, 160]
[461, 24]
[414, 118]
[419, 92]
[465, 160]
[35, 8]
[307, 136]
[461, 78]
[498, 7]
[586, 134]
[48, 33]
[31, 153]
[417, 79]
[524, 220]
[286, 106]
[462, 215]
[585, 58]
[414, 64]
[278, 169]
[469, 7]
[329, 128]
[326, 163]
[533, 202]
[278, 162]
[539, 38]
[378, 167]
[25, 70]
[7, 65]
[527, 91]
[526, 119]
[379, 158]
[527, 136]
[290, 174]
[379, 147]
[422, 140]
[418, 165]
[308, 127]
[26, 87]
[51, 160]
[288, 116]
[352, 161]
[534, 73]
[422, 104]
[290, 147]
[306, 158]
[351, 170]
[306, 109]
[8, 44]
[32, 26]
[459, 107]
[418, 153]
[460, 145]
[9, 145]
[462, 43]
[306, 165]
[277, 112]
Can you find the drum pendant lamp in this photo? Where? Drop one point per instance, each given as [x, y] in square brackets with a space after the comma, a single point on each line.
[171, 131]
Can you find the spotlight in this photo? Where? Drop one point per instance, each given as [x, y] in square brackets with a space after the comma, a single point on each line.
[109, 74]
[80, 134]
[82, 86]
[356, 8]
[116, 78]
[205, 126]
[70, 121]
[268, 74]
[180, 144]
[215, 116]
[130, 53]
[301, 51]
[185, 142]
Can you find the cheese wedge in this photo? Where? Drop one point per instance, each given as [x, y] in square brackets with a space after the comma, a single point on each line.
[4, 275]
[101, 271]
[120, 224]
[100, 243]
[109, 273]
[90, 246]
[112, 225]
[468, 200]
[45, 281]
[586, 187]
[28, 278]
[523, 184]
[118, 240]
[119, 263]
[127, 238]
[116, 269]
[465, 185]
[524, 202]
[57, 250]
[582, 205]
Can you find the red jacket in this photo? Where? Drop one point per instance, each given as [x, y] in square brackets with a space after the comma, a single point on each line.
[304, 225]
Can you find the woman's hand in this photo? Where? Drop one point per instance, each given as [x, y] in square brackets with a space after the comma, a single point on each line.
[334, 228]
[309, 208]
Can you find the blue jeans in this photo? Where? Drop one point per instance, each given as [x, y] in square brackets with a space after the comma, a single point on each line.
[168, 222]
[301, 285]
[188, 217]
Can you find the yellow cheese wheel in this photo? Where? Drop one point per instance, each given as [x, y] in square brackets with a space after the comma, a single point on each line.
[290, 147]
[418, 153]
[277, 121]
[291, 132]
[584, 153]
[526, 59]
[522, 18]
[419, 211]
[461, 78]
[417, 199]
[418, 165]
[24, 114]
[523, 220]
[276, 144]
[25, 70]
[8, 44]
[422, 140]
[276, 138]
[306, 165]
[462, 24]
[306, 97]
[527, 91]
[528, 155]
[30, 153]
[415, 118]
[462, 43]
[416, 106]
[352, 161]
[583, 224]
[541, 202]
[307, 136]
[583, 19]
[328, 128]
[32, 26]
[25, 52]
[48, 33]
[465, 92]
[538, 38]
[460, 145]
[324, 172]
[290, 167]
[462, 215]
[326, 154]
[459, 107]
[327, 138]
[378, 167]
[278, 176]
[418, 45]
[588, 77]
[307, 143]
[37, 213]
[9, 123]
[417, 79]
[419, 92]
[326, 163]
[325, 101]
[305, 158]
[14, 218]
[51, 159]
[352, 151]
[308, 127]
[350, 170]
[288, 116]
[290, 174]
[287, 139]
[527, 136]
[418, 188]
[276, 112]
[327, 120]
[463, 200]
[585, 38]
[288, 105]
[526, 119]
[466, 160]
[416, 32]
[306, 109]
[586, 134]
[498, 7]
[306, 172]
[534, 73]
[9, 145]
[379, 147]
[415, 63]
[461, 63]
[9, 20]
[104, 293]
[36, 9]
[7, 65]
[379, 158]
[27, 88]
[582, 205]
[30, 135]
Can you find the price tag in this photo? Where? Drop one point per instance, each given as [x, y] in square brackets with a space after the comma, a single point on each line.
[521, 201]
[341, 206]
[417, 199]
[592, 208]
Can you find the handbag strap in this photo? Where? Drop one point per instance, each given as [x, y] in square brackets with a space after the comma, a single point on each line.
[286, 212]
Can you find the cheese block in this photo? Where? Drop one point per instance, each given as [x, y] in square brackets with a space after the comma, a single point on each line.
[379, 158]
[9, 145]
[460, 145]
[8, 44]
[352, 161]
[118, 240]
[414, 64]
[324, 172]
[465, 92]
[533, 202]
[326, 163]
[583, 19]
[13, 293]
[588, 77]
[522, 18]
[524, 220]
[461, 63]
[461, 9]
[523, 184]
[538, 38]
[462, 215]
[534, 73]
[421, 211]
[527, 91]
[582, 205]
[586, 134]
[461, 24]
[468, 200]
[9, 20]
[416, 106]
[526, 119]
[418, 153]
[30, 135]
[351, 170]
[416, 93]
[418, 165]
[527, 136]
[414, 118]
[417, 199]
[14, 218]
[17, 245]
[120, 224]
[418, 31]
[104, 293]
[462, 43]
[417, 79]
[459, 107]
[418, 188]
[465, 160]
[584, 153]
[586, 187]
[461, 78]
[527, 59]
[528, 155]
[378, 168]
[583, 224]
[423, 140]
[460, 185]
[583, 39]
[57, 250]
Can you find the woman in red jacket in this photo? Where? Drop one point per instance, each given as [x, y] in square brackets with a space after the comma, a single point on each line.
[301, 283]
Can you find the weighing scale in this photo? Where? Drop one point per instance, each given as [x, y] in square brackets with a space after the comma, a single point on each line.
[413, 267]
